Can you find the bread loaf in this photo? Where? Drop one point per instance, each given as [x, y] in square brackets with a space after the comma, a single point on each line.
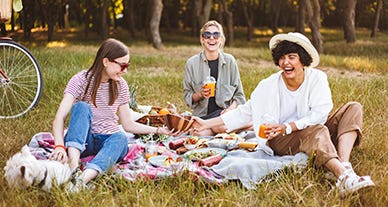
[247, 145]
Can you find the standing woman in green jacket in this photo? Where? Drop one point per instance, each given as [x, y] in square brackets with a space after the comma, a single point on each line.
[212, 61]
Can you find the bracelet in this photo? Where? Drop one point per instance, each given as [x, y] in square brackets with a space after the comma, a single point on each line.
[60, 146]
[157, 130]
[288, 128]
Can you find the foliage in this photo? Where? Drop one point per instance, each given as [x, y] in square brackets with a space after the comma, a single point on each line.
[132, 93]
[179, 14]
[158, 77]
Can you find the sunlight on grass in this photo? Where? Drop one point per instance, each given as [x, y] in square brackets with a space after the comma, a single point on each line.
[362, 64]
[57, 44]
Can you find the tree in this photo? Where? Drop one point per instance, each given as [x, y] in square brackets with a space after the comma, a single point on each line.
[247, 7]
[348, 8]
[275, 12]
[313, 12]
[129, 17]
[229, 22]
[377, 18]
[301, 16]
[104, 27]
[201, 9]
[156, 13]
[28, 19]
[51, 15]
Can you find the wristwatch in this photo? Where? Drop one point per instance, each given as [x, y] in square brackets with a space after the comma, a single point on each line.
[288, 128]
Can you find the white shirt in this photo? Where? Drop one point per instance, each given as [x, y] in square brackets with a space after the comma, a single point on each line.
[313, 102]
[288, 103]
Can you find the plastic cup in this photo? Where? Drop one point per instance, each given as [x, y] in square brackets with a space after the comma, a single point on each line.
[210, 83]
[151, 149]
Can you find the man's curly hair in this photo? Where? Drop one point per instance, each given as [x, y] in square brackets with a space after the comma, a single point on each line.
[285, 47]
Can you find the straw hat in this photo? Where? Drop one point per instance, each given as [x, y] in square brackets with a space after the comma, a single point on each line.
[299, 39]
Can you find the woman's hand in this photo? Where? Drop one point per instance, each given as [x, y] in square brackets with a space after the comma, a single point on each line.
[205, 92]
[59, 154]
[199, 124]
[165, 130]
[274, 130]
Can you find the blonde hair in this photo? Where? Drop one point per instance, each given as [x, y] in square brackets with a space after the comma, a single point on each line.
[220, 28]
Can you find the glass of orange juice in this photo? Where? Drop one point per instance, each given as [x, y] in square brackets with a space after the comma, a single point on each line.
[265, 119]
[262, 127]
[151, 149]
[210, 83]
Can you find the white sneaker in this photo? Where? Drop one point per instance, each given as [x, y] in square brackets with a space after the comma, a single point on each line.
[330, 176]
[349, 182]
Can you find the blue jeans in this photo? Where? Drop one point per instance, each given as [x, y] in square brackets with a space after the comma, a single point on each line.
[108, 148]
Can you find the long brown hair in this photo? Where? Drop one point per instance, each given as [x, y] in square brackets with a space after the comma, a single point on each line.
[111, 49]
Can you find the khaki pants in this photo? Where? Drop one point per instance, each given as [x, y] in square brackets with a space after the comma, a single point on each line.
[321, 140]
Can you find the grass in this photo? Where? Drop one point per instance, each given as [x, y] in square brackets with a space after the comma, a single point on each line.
[356, 72]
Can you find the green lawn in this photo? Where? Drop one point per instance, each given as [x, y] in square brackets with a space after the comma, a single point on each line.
[357, 72]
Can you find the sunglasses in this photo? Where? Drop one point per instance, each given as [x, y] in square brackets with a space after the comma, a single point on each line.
[122, 65]
[207, 35]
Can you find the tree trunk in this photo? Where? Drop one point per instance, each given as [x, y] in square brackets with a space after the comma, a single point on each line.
[248, 14]
[129, 18]
[156, 14]
[28, 18]
[201, 13]
[104, 17]
[313, 13]
[349, 16]
[50, 23]
[87, 18]
[300, 20]
[377, 18]
[229, 24]
[3, 31]
[275, 10]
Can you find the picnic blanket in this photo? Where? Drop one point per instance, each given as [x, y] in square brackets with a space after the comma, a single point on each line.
[249, 167]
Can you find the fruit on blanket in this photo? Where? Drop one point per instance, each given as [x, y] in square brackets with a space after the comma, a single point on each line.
[164, 111]
[170, 160]
[153, 111]
[191, 140]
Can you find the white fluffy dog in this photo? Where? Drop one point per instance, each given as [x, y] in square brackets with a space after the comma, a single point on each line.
[24, 170]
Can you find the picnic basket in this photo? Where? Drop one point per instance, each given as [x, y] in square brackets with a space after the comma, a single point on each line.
[153, 119]
[178, 122]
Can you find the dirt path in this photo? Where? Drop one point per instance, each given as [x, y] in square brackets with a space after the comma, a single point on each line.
[330, 71]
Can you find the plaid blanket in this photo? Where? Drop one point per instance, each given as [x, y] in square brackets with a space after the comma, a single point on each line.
[133, 166]
[250, 168]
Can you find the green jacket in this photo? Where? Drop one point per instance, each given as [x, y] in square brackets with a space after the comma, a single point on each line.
[228, 86]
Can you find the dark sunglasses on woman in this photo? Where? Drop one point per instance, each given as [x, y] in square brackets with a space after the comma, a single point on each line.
[122, 65]
[208, 35]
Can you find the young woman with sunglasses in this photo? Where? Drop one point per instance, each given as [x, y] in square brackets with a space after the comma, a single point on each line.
[97, 99]
[212, 61]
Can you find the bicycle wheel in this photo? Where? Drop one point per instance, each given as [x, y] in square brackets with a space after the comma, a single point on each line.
[21, 80]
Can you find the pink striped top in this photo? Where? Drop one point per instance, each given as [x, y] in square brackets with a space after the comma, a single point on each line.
[105, 119]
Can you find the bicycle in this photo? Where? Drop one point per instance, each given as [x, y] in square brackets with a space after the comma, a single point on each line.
[21, 81]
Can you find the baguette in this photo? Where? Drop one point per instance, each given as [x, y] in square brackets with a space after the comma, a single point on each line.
[247, 145]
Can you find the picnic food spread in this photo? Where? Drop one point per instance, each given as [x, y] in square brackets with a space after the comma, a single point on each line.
[206, 151]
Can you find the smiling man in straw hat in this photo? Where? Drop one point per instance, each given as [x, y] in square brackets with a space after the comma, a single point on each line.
[298, 99]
